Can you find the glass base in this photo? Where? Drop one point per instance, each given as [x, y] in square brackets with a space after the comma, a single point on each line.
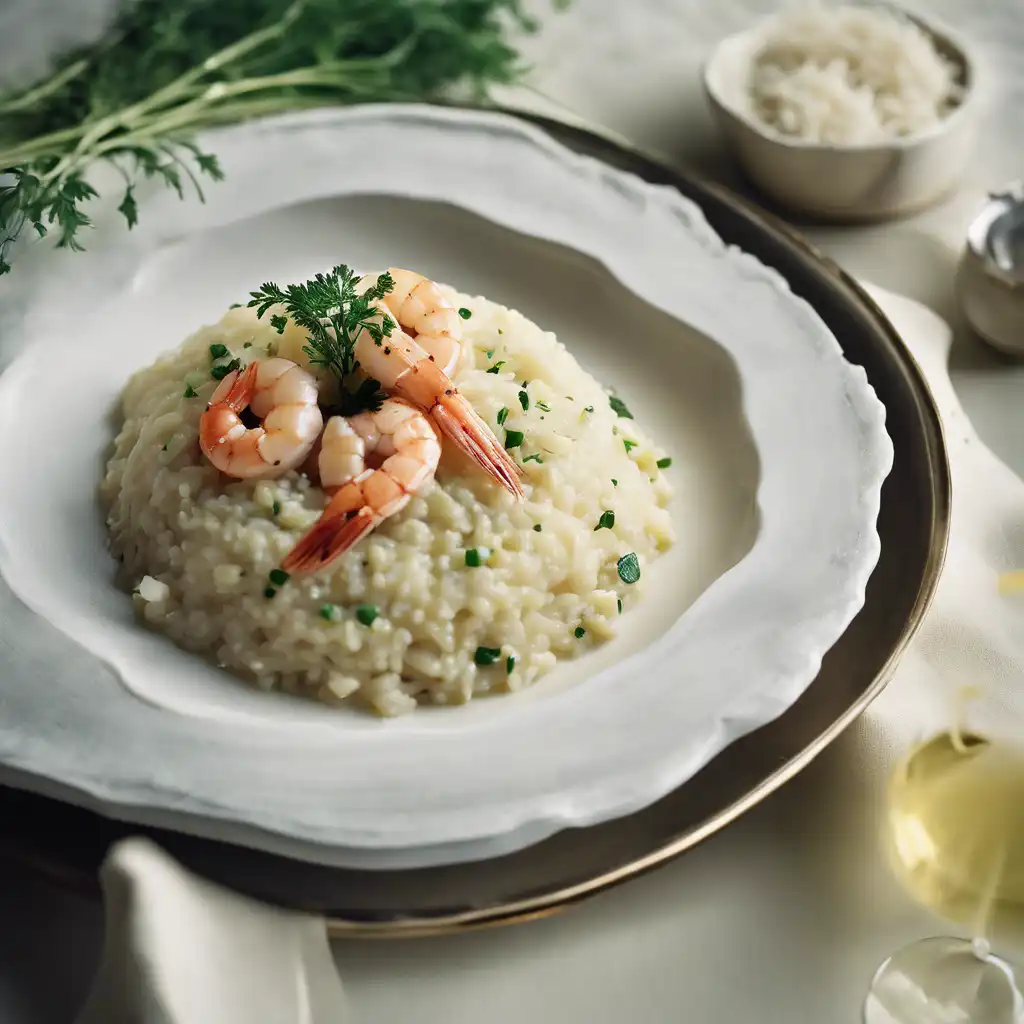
[945, 981]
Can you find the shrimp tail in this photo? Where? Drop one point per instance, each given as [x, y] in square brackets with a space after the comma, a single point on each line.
[326, 540]
[458, 421]
[237, 389]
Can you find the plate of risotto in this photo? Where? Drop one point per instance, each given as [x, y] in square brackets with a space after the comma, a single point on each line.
[405, 512]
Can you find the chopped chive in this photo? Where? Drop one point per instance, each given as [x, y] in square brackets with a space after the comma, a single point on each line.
[496, 367]
[330, 612]
[615, 483]
[606, 522]
[588, 408]
[190, 392]
[526, 383]
[465, 313]
[579, 632]
[500, 331]
[487, 655]
[367, 613]
[279, 323]
[218, 350]
[628, 445]
[620, 605]
[489, 353]
[475, 557]
[502, 416]
[629, 568]
[619, 407]
[569, 398]
[276, 508]
[664, 463]
[269, 592]
[279, 577]
[533, 458]
[220, 372]
[537, 527]
[510, 663]
[235, 305]
[524, 400]
[544, 407]
[513, 438]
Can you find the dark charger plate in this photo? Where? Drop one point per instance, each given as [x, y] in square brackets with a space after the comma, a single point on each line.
[68, 843]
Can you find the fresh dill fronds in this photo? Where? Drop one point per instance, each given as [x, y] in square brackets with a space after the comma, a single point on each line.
[334, 314]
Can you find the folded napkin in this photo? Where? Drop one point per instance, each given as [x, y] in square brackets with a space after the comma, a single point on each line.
[180, 950]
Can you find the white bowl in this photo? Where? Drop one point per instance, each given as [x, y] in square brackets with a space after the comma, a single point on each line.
[843, 183]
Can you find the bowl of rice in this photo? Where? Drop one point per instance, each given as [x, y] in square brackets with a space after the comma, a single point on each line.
[848, 113]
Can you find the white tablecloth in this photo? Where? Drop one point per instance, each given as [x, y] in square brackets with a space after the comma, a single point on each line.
[783, 917]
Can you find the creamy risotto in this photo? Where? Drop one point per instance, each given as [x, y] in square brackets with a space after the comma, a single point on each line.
[465, 591]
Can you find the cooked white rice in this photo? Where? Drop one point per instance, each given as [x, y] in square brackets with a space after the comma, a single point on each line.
[850, 75]
[198, 549]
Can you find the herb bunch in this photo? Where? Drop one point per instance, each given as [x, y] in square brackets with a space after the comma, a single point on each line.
[334, 314]
[170, 68]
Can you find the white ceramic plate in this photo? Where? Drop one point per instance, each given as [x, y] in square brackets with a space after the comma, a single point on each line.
[738, 378]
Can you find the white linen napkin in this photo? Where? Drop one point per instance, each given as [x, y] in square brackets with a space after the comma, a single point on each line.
[180, 950]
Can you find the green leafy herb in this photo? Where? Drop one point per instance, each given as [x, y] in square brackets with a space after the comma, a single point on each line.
[537, 527]
[664, 463]
[510, 664]
[533, 458]
[487, 655]
[524, 400]
[619, 407]
[615, 483]
[514, 438]
[579, 632]
[276, 508]
[269, 592]
[278, 322]
[620, 605]
[218, 351]
[496, 367]
[629, 568]
[190, 392]
[502, 416]
[475, 557]
[279, 577]
[544, 407]
[330, 612]
[334, 315]
[489, 353]
[235, 305]
[168, 69]
[367, 613]
[588, 408]
[500, 331]
[606, 522]
[220, 372]
[628, 445]
[465, 313]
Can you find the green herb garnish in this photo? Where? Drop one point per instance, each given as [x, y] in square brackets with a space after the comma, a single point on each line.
[334, 315]
[279, 577]
[220, 372]
[620, 605]
[276, 508]
[579, 632]
[628, 445]
[510, 663]
[533, 458]
[537, 527]
[168, 69]
[629, 568]
[487, 655]
[190, 392]
[544, 407]
[269, 592]
[367, 613]
[235, 305]
[496, 367]
[619, 407]
[465, 313]
[588, 408]
[330, 612]
[218, 351]
[615, 483]
[606, 522]
[502, 416]
[664, 463]
[278, 322]
[475, 557]
[524, 400]
[514, 438]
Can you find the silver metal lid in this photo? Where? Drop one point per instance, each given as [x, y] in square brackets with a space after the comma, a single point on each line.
[996, 235]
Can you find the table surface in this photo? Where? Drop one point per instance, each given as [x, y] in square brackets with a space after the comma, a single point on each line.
[785, 915]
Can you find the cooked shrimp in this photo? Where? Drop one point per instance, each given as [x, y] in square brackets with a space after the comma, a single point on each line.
[427, 316]
[406, 445]
[284, 397]
[406, 369]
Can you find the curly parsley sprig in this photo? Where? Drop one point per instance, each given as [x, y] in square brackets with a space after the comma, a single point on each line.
[334, 313]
